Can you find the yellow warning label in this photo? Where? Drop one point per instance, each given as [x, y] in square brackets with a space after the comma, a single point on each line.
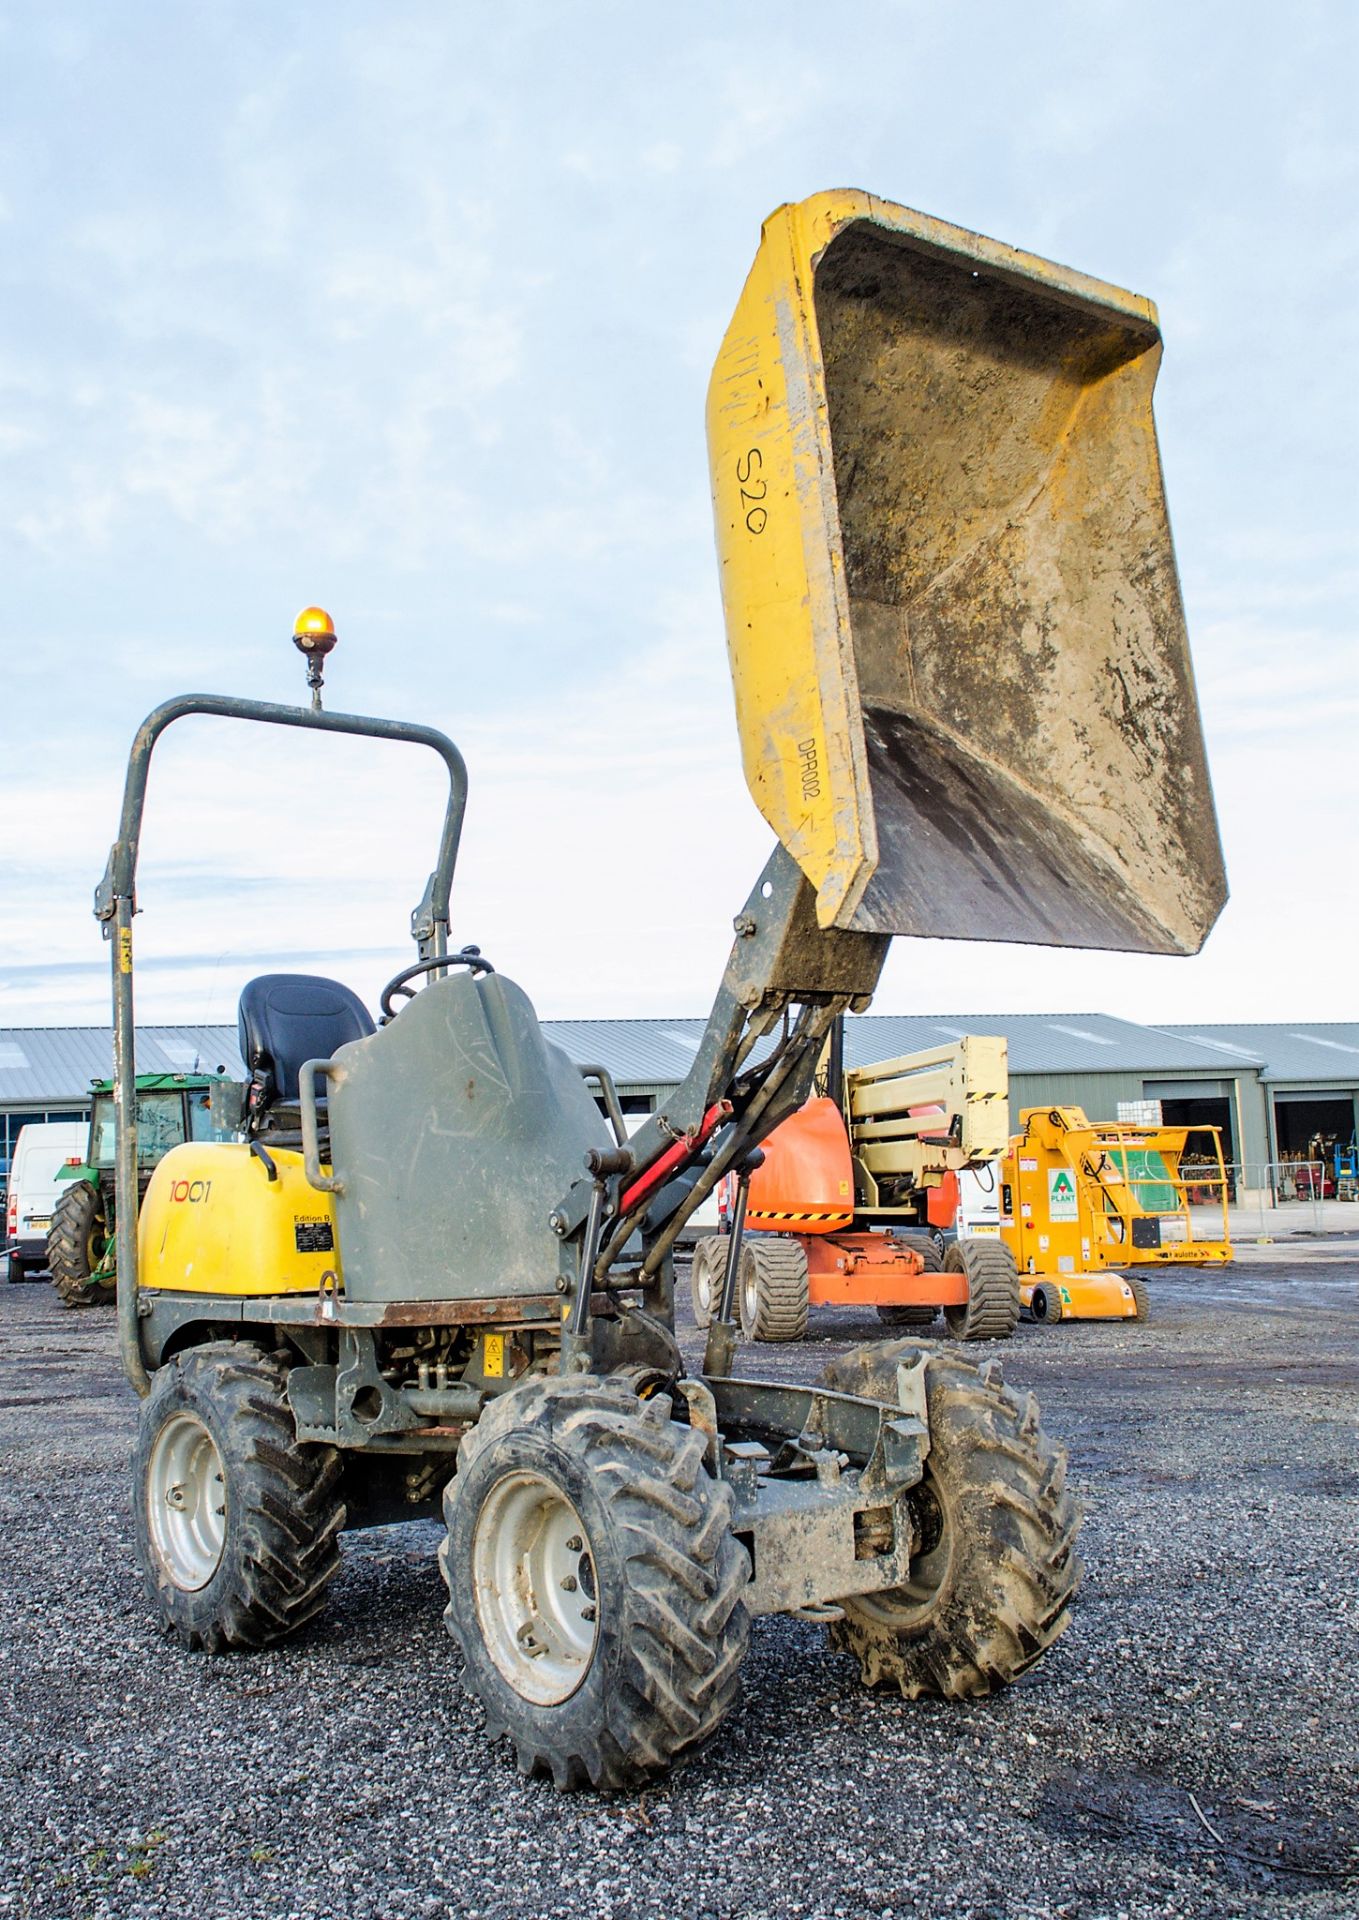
[124, 949]
[493, 1361]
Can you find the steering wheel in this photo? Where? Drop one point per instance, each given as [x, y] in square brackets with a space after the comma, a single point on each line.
[469, 957]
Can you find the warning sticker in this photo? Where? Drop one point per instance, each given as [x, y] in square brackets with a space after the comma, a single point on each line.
[1061, 1195]
[1028, 1166]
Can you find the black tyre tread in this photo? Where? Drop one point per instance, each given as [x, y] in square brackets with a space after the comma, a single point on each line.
[1037, 1312]
[712, 1251]
[289, 1513]
[1141, 1298]
[922, 1243]
[76, 1214]
[682, 1642]
[781, 1288]
[992, 1310]
[1015, 1570]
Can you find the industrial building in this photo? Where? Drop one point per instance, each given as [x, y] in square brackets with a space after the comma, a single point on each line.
[1273, 1088]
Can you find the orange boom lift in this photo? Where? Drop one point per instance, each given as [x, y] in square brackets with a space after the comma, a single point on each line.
[842, 1210]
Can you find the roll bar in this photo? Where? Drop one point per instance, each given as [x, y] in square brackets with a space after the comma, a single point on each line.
[115, 902]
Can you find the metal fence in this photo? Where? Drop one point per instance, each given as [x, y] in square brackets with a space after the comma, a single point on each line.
[1281, 1193]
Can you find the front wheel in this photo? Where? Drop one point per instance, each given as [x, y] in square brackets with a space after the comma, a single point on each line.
[707, 1270]
[237, 1524]
[991, 1311]
[594, 1584]
[995, 1567]
[773, 1288]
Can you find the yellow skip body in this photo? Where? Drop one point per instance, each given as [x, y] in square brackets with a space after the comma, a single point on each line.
[214, 1222]
[930, 454]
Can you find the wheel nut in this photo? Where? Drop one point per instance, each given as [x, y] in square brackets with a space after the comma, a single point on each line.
[574, 1544]
[570, 1583]
[587, 1613]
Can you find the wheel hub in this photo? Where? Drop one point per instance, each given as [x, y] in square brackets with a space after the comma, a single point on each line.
[534, 1580]
[186, 1502]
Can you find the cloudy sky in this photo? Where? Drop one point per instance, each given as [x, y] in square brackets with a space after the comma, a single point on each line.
[408, 308]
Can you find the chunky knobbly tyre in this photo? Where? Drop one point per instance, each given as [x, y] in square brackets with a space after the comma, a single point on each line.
[250, 1568]
[992, 1308]
[605, 1693]
[925, 1245]
[773, 1288]
[997, 1567]
[1141, 1298]
[76, 1241]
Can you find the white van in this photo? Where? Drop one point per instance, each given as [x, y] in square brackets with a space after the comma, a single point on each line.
[40, 1152]
[979, 1201]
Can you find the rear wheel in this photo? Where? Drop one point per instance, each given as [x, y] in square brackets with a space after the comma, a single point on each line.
[1045, 1303]
[773, 1288]
[995, 1567]
[1141, 1298]
[77, 1241]
[237, 1524]
[706, 1271]
[991, 1311]
[594, 1584]
[925, 1245]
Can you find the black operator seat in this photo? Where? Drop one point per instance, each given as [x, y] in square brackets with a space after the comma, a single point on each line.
[287, 1018]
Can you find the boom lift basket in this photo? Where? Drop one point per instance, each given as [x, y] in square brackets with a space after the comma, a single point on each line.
[957, 642]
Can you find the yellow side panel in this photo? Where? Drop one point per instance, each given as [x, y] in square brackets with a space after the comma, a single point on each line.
[213, 1222]
[782, 567]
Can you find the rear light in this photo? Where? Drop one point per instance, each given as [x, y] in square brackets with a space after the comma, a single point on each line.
[74, 1160]
[12, 1213]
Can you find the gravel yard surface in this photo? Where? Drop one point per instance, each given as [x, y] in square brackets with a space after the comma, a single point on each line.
[1190, 1747]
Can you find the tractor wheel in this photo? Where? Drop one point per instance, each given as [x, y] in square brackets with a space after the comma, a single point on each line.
[76, 1242]
[996, 1567]
[773, 1288]
[1045, 1303]
[991, 1311]
[922, 1243]
[706, 1272]
[594, 1584]
[237, 1524]
[1141, 1298]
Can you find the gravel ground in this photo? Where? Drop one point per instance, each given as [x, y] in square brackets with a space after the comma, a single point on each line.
[1189, 1747]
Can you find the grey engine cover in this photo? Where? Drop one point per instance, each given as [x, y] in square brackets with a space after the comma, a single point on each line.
[456, 1130]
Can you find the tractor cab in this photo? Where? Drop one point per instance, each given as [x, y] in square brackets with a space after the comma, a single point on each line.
[171, 1109]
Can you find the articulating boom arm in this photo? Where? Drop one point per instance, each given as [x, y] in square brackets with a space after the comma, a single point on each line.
[785, 983]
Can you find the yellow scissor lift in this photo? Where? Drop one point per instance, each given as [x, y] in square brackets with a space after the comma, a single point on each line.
[1082, 1203]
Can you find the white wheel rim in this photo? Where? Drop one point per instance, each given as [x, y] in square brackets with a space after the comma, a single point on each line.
[534, 1583]
[703, 1282]
[186, 1502]
[750, 1289]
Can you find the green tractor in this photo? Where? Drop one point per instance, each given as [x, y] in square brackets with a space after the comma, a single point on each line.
[171, 1108]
